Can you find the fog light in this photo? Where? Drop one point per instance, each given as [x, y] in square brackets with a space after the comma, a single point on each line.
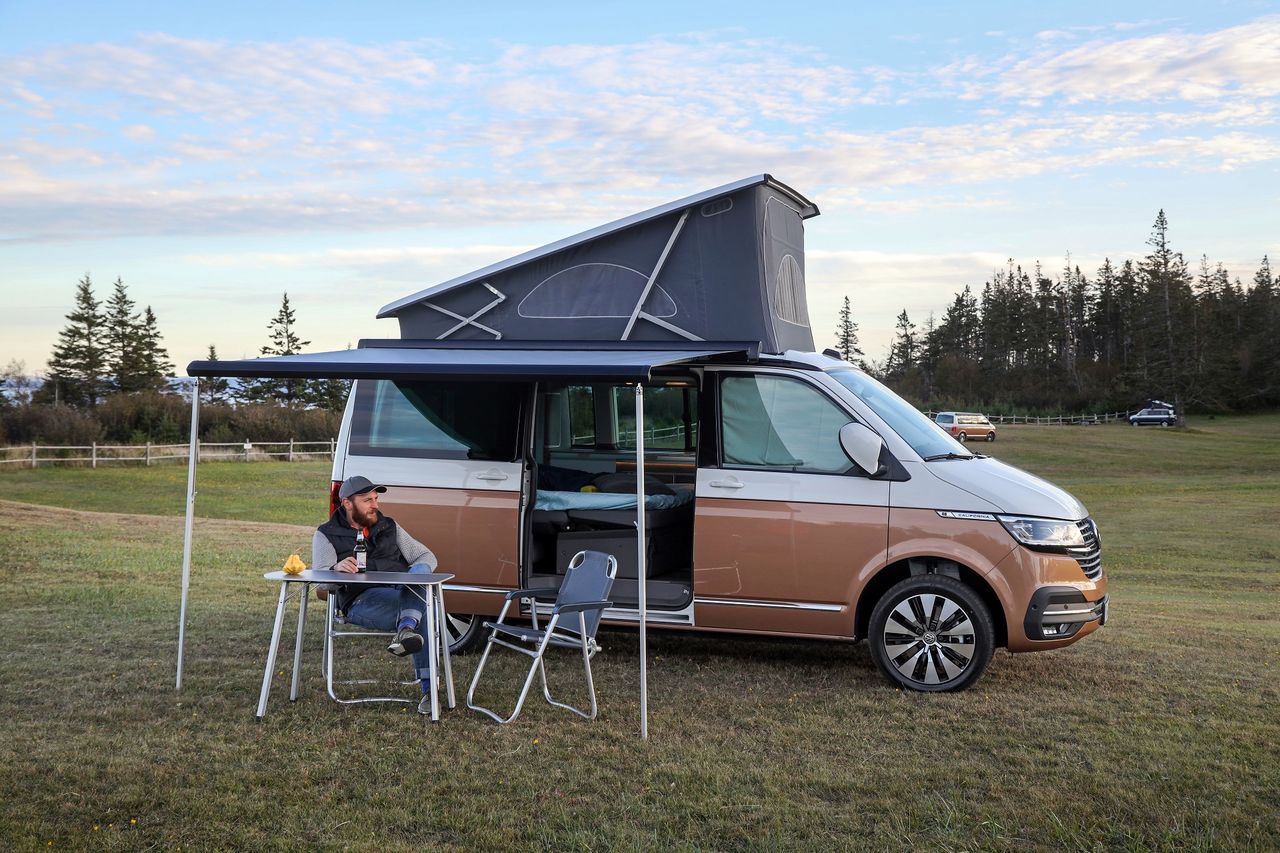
[1052, 630]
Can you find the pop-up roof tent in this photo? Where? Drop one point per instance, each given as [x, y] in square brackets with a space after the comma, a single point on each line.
[714, 275]
[723, 265]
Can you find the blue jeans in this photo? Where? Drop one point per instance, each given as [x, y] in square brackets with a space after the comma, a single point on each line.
[381, 608]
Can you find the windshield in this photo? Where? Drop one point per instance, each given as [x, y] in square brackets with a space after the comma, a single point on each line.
[924, 436]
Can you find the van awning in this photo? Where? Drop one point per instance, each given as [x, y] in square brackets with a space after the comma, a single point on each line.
[399, 359]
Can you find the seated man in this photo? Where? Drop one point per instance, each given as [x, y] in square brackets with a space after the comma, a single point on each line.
[389, 549]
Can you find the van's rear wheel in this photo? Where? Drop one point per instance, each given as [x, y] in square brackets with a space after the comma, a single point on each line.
[463, 630]
[963, 436]
[931, 633]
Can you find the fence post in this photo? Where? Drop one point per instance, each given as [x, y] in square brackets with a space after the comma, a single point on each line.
[332, 447]
[291, 450]
[93, 456]
[148, 455]
[33, 454]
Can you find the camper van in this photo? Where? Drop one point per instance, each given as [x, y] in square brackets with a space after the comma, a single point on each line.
[786, 493]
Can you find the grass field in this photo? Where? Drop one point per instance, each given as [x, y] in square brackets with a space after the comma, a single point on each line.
[1160, 731]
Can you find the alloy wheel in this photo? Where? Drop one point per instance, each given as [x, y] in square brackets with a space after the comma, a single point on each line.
[929, 639]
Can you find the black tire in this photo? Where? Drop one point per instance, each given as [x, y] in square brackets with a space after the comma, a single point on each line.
[913, 653]
[991, 436]
[963, 437]
[465, 631]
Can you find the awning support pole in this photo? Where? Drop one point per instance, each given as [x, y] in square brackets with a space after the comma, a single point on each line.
[641, 567]
[191, 508]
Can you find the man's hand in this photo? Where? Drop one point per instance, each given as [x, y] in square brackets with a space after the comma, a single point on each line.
[348, 566]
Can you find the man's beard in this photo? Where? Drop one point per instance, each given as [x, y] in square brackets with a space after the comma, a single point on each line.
[362, 520]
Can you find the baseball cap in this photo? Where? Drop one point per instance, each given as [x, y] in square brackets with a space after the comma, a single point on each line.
[353, 486]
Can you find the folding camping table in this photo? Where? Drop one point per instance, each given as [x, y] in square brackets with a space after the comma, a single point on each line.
[429, 587]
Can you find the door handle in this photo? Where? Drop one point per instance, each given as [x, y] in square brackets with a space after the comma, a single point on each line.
[731, 483]
[491, 474]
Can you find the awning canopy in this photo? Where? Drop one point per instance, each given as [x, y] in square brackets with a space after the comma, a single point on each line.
[399, 359]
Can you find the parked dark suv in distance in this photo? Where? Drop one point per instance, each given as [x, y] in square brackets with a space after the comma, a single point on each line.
[1154, 416]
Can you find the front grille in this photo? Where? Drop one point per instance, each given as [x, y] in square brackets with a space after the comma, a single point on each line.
[1090, 556]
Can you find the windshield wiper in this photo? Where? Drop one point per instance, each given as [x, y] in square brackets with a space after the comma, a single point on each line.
[951, 455]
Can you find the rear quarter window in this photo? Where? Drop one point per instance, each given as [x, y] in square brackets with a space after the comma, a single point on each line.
[438, 420]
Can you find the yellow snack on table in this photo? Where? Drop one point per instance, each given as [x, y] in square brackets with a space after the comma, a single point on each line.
[294, 565]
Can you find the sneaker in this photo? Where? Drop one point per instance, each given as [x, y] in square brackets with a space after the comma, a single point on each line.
[424, 704]
[407, 642]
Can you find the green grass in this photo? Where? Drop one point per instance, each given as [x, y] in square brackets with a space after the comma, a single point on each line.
[292, 493]
[1160, 731]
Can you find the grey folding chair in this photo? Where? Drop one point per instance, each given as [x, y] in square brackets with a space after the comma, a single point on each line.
[584, 593]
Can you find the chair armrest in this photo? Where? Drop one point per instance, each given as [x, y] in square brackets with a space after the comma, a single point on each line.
[530, 593]
[580, 607]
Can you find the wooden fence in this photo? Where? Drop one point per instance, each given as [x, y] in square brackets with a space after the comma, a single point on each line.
[1056, 420]
[93, 455]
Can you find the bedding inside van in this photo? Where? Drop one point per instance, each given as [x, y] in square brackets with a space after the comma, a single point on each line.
[556, 500]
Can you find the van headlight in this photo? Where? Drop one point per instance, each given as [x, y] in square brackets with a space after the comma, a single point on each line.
[1045, 534]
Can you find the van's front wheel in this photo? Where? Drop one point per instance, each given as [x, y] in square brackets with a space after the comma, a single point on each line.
[931, 633]
[463, 631]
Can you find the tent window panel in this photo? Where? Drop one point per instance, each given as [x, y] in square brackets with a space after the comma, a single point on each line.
[776, 423]
[438, 420]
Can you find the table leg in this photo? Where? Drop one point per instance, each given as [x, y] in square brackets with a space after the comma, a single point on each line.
[433, 640]
[442, 621]
[271, 653]
[297, 644]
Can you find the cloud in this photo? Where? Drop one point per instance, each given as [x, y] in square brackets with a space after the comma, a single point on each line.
[1167, 66]
[169, 135]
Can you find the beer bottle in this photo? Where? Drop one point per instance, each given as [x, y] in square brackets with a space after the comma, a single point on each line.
[361, 551]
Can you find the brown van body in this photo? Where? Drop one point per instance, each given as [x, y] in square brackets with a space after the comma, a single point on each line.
[797, 551]
[768, 552]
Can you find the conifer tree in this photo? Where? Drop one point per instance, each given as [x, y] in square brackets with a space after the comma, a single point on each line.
[216, 389]
[904, 351]
[847, 335]
[154, 366]
[283, 340]
[123, 341]
[78, 367]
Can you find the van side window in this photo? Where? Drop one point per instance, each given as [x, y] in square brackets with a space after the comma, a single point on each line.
[670, 417]
[779, 423]
[582, 416]
[438, 420]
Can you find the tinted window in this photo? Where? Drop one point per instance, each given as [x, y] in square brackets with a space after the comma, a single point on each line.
[944, 419]
[438, 420]
[778, 423]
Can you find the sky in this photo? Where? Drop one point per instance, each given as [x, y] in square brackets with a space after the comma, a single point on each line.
[215, 156]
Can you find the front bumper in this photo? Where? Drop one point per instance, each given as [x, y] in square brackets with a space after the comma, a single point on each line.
[1059, 612]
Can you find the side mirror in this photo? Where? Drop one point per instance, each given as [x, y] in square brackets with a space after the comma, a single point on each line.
[862, 446]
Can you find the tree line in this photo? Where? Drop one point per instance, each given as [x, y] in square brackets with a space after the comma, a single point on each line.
[109, 379]
[1033, 343]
